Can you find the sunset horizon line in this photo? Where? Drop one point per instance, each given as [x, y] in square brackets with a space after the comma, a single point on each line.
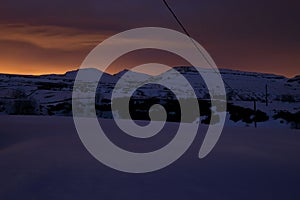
[62, 72]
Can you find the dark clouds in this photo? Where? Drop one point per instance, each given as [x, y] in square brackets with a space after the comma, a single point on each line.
[247, 35]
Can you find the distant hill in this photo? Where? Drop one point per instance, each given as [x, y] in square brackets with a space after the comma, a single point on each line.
[51, 94]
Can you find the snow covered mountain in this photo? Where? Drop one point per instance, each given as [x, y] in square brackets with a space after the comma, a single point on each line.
[51, 94]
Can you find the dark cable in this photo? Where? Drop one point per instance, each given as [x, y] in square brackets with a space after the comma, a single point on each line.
[176, 18]
[187, 33]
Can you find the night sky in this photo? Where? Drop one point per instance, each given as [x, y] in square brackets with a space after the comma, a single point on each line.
[55, 36]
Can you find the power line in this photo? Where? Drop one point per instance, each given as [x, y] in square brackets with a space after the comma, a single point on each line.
[176, 18]
[197, 47]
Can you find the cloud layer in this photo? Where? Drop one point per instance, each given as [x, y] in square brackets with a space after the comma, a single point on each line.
[54, 36]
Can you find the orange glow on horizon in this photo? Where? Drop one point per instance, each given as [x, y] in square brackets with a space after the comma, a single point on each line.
[36, 50]
[112, 70]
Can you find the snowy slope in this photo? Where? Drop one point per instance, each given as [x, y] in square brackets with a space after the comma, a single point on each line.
[52, 93]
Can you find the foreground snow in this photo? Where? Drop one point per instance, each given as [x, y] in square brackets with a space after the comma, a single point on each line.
[43, 158]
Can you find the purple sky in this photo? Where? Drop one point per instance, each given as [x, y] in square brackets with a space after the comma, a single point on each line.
[55, 36]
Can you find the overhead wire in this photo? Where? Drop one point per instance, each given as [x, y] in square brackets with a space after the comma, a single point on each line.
[197, 47]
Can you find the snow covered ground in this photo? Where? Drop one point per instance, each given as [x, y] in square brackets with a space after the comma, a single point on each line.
[51, 94]
[42, 157]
